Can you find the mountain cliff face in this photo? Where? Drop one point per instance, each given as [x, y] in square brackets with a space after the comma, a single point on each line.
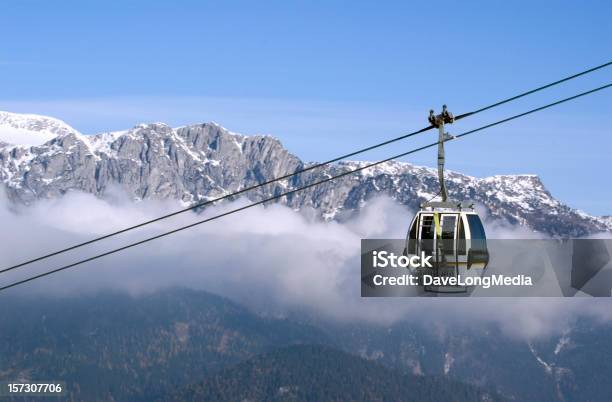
[204, 161]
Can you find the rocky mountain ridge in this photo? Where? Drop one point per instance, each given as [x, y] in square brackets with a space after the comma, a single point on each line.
[205, 161]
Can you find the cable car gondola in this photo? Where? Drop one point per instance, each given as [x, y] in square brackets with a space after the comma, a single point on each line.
[451, 232]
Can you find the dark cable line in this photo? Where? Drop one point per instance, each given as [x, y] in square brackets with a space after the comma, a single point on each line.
[571, 77]
[95, 257]
[437, 194]
[286, 176]
[214, 217]
[224, 197]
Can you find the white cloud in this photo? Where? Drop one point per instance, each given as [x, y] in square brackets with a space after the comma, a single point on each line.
[272, 259]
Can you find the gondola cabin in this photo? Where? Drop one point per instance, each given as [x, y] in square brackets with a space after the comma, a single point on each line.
[454, 235]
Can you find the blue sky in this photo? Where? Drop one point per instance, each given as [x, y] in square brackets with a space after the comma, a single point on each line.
[327, 77]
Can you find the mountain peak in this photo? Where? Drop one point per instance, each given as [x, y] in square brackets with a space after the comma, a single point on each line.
[31, 129]
[153, 126]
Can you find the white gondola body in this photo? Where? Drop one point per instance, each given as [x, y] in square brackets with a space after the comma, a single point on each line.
[455, 238]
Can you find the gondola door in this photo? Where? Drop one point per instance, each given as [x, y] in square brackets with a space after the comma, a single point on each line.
[427, 234]
[448, 242]
[448, 233]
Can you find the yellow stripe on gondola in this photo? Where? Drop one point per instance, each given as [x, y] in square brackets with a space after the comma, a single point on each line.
[437, 223]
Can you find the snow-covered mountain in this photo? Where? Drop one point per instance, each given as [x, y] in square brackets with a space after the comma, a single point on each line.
[30, 129]
[204, 161]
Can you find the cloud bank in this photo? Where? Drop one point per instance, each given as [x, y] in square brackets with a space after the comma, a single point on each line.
[272, 259]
